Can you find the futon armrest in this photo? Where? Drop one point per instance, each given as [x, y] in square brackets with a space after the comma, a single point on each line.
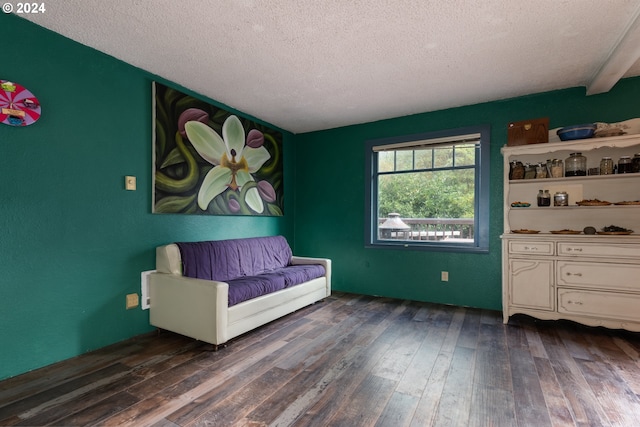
[297, 260]
[192, 307]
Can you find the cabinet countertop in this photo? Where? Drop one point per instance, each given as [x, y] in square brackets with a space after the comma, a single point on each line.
[624, 238]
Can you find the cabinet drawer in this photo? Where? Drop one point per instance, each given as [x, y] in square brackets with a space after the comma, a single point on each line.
[612, 305]
[530, 247]
[599, 250]
[598, 275]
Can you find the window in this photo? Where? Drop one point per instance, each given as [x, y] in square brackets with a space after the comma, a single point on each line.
[429, 191]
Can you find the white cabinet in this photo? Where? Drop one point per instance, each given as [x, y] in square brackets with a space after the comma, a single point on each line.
[591, 279]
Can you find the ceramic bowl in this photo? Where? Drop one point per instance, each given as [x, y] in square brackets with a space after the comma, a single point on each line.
[576, 132]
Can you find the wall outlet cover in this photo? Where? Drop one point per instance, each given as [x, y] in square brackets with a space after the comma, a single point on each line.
[132, 301]
[144, 288]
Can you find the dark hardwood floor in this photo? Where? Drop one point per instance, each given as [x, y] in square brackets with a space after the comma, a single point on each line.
[348, 361]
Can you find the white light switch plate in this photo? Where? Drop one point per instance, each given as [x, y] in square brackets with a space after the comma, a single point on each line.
[130, 183]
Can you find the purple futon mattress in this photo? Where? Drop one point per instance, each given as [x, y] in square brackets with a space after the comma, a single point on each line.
[252, 267]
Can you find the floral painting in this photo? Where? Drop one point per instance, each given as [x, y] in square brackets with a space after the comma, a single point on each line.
[210, 161]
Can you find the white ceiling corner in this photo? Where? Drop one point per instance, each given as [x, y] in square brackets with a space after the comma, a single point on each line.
[306, 65]
[623, 60]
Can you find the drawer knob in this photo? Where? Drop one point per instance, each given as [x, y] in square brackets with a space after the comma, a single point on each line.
[574, 274]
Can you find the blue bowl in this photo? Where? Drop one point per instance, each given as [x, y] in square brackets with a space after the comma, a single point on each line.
[576, 132]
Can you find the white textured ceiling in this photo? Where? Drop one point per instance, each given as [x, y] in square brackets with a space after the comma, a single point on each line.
[306, 65]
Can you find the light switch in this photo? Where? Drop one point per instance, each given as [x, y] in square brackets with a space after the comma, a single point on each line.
[130, 183]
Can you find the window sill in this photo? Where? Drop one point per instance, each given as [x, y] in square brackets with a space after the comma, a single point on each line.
[428, 247]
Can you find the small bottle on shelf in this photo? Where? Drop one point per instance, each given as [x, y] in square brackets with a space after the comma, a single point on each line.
[544, 198]
[516, 170]
[561, 198]
[635, 163]
[529, 171]
[624, 164]
[606, 166]
[557, 168]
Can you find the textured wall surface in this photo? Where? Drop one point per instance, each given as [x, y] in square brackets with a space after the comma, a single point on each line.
[73, 242]
[330, 190]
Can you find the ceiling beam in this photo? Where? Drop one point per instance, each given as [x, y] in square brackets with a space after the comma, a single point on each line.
[624, 54]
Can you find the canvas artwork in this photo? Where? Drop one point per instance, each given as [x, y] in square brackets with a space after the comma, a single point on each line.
[210, 161]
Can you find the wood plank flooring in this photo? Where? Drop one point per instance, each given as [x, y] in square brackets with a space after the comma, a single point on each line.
[348, 361]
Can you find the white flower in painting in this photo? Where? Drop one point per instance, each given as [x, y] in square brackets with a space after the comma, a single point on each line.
[233, 161]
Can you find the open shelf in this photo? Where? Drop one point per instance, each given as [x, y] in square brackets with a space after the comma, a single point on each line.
[574, 179]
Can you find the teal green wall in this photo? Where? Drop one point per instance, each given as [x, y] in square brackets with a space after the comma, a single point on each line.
[72, 241]
[330, 188]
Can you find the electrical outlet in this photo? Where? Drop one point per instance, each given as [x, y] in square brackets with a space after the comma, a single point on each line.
[144, 288]
[444, 276]
[132, 301]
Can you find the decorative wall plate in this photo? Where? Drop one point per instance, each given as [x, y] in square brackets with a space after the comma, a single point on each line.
[18, 106]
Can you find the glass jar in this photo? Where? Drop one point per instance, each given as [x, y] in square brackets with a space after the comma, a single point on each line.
[635, 163]
[561, 198]
[606, 166]
[541, 170]
[575, 165]
[544, 198]
[516, 170]
[529, 171]
[624, 164]
[557, 168]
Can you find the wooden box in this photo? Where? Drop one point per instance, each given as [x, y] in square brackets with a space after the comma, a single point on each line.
[525, 132]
